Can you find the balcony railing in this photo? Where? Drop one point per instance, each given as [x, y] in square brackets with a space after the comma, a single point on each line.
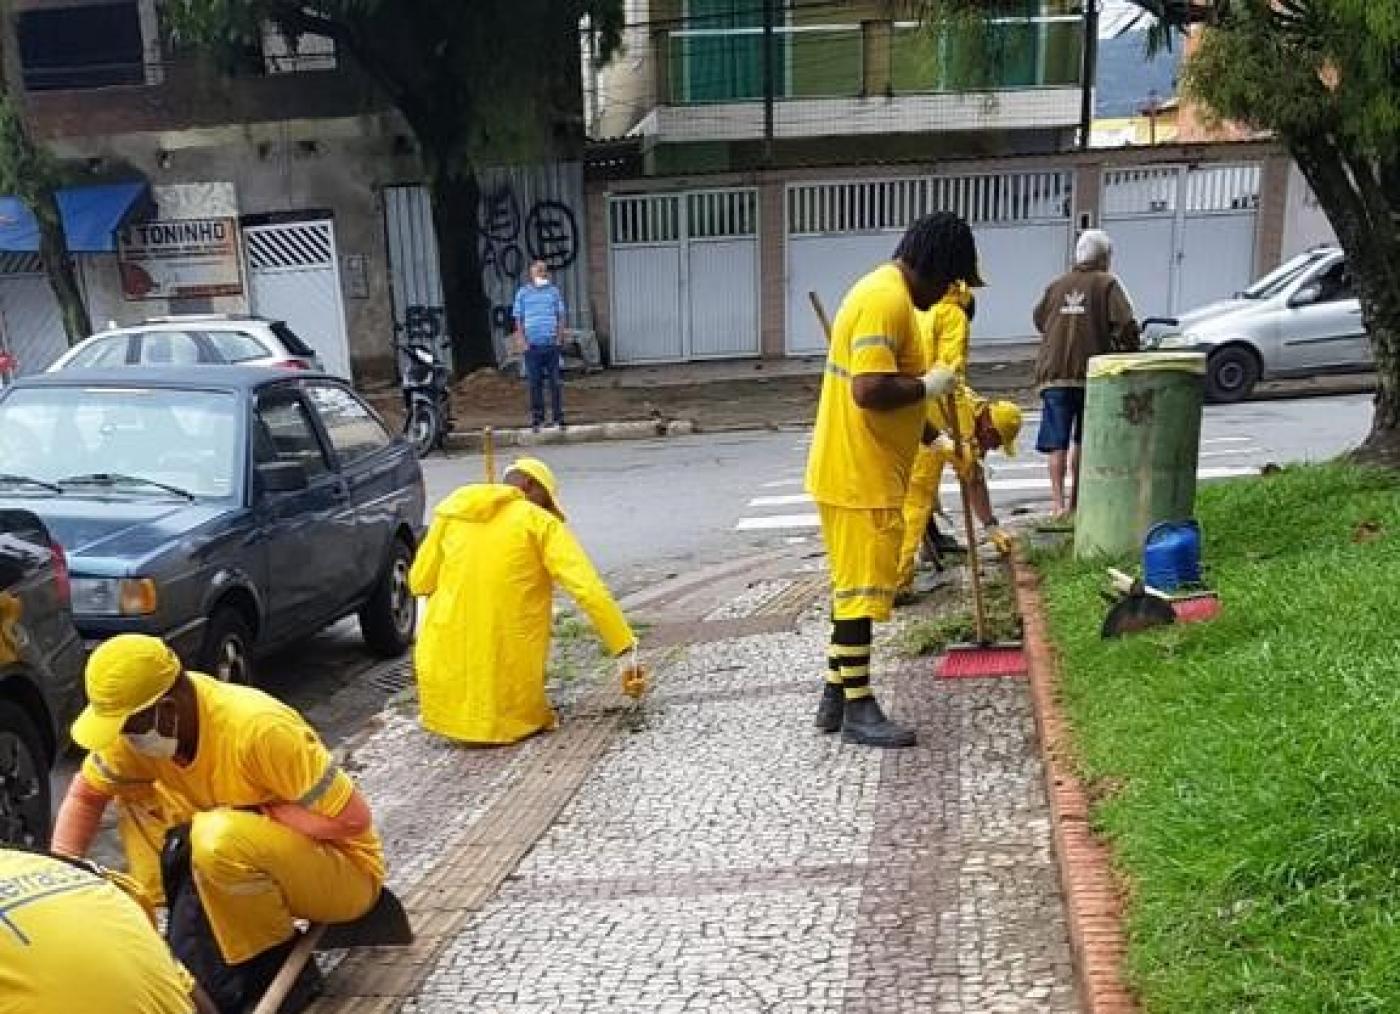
[721, 65]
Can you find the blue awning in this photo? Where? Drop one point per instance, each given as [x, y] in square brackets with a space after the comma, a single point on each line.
[91, 217]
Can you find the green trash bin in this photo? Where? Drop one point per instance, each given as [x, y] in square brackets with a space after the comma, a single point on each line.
[1142, 440]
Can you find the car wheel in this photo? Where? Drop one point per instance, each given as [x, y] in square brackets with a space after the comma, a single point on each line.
[1231, 374]
[24, 780]
[424, 428]
[227, 654]
[390, 617]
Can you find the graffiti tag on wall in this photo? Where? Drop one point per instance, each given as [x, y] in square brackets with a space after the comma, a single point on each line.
[513, 237]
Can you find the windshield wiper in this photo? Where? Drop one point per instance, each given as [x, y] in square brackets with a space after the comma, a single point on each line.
[10, 479]
[113, 479]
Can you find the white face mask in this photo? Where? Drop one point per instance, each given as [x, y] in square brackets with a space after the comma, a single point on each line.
[540, 283]
[153, 743]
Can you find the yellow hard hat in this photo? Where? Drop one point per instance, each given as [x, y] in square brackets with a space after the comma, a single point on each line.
[542, 474]
[125, 675]
[1006, 419]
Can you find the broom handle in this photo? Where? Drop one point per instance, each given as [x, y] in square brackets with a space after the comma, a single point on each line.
[821, 315]
[974, 564]
[286, 977]
[488, 450]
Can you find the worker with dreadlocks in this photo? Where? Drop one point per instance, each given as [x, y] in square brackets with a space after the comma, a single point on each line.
[871, 415]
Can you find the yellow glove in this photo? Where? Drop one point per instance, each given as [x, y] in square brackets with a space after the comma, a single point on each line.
[959, 455]
[1004, 541]
[633, 674]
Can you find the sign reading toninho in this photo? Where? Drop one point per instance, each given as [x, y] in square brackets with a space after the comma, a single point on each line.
[183, 259]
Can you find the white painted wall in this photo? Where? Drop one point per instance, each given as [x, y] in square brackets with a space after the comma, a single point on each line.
[1304, 223]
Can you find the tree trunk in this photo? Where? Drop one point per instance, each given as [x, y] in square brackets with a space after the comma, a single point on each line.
[456, 200]
[59, 267]
[1368, 230]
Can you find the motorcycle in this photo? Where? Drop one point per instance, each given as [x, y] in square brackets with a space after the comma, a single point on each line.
[427, 393]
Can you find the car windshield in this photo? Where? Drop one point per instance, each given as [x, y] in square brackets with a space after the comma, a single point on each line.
[127, 442]
[1274, 282]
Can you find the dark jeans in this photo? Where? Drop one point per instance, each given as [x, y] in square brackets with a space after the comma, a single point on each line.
[542, 367]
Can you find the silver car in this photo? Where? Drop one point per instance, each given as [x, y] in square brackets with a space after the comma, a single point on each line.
[193, 340]
[1301, 319]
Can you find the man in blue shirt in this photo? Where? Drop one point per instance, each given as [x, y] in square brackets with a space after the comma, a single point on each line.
[539, 332]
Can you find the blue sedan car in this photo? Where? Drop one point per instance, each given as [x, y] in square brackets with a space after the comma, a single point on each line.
[230, 510]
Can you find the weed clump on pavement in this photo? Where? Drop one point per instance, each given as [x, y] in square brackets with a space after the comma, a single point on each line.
[1256, 759]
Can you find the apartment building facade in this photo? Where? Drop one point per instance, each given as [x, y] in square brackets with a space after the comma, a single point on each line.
[722, 85]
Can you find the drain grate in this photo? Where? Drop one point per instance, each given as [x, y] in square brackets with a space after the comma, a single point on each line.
[393, 677]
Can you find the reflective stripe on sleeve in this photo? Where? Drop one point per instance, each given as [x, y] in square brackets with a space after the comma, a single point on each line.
[313, 795]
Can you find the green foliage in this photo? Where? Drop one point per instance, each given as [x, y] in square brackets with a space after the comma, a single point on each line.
[1246, 768]
[1305, 67]
[26, 170]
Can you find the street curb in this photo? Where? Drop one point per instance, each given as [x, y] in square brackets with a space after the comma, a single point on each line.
[585, 434]
[1093, 901]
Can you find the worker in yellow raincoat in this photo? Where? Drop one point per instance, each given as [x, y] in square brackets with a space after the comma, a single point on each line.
[277, 831]
[75, 938]
[944, 329]
[488, 567]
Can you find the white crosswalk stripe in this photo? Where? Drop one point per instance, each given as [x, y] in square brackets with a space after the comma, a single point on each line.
[778, 510]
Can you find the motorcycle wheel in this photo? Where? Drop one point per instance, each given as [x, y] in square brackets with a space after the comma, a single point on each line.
[424, 429]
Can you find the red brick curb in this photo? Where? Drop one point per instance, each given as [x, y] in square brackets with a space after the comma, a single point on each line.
[1093, 904]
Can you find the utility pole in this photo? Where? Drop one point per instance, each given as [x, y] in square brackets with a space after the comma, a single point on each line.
[1089, 71]
[768, 83]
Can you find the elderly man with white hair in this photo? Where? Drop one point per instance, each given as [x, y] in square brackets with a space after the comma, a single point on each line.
[1084, 313]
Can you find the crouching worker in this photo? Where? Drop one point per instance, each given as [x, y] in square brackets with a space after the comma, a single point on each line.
[229, 807]
[488, 566]
[77, 938]
[984, 426]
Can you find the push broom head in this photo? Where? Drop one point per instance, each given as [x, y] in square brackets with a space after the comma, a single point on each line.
[981, 661]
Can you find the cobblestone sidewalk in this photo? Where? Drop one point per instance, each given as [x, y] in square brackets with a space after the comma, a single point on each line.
[713, 852]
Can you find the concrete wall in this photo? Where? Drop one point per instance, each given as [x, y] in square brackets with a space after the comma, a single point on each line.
[1305, 224]
[334, 165]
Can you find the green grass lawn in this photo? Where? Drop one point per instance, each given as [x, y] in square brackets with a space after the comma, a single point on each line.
[1248, 770]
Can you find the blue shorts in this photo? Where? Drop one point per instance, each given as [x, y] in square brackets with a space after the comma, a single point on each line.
[1061, 420]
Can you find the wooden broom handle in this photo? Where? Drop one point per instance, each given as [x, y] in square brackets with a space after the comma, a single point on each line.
[974, 563]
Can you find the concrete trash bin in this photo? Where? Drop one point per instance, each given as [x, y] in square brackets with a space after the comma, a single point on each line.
[1142, 439]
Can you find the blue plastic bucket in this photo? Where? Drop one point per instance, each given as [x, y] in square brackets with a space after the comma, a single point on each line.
[1171, 555]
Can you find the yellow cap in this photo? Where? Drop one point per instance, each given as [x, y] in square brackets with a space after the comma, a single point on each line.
[1006, 419]
[125, 675]
[542, 474]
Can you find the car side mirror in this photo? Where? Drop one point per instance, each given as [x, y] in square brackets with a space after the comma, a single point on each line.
[282, 477]
[1306, 296]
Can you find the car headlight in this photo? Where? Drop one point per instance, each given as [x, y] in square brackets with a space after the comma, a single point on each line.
[110, 596]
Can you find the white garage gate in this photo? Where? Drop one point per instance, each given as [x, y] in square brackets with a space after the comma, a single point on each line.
[31, 323]
[294, 276]
[684, 276]
[836, 232]
[1182, 236]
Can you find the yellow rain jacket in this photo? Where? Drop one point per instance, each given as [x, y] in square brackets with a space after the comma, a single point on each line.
[488, 567]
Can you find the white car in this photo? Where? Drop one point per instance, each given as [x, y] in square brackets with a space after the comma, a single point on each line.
[196, 340]
[1302, 319]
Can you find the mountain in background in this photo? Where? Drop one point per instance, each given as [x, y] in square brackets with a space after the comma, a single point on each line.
[1126, 77]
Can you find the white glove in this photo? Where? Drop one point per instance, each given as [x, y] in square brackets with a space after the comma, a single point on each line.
[939, 381]
[943, 444]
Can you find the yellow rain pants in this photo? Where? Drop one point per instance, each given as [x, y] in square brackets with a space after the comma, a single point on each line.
[862, 546]
[927, 475]
[254, 876]
[488, 567]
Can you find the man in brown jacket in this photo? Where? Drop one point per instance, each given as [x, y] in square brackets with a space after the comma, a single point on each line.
[1083, 314]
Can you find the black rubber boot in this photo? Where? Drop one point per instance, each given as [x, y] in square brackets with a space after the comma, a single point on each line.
[941, 543]
[866, 725]
[832, 708]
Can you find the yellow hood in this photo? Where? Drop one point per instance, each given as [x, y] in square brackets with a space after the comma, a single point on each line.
[477, 503]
